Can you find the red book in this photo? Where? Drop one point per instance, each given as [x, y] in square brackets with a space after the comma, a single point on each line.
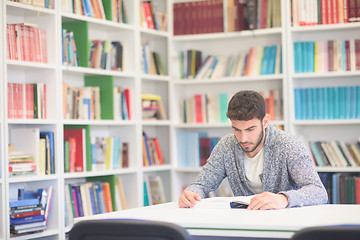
[43, 45]
[352, 11]
[158, 151]
[357, 53]
[148, 15]
[127, 95]
[80, 153]
[10, 92]
[347, 57]
[187, 18]
[199, 118]
[324, 19]
[357, 190]
[346, 11]
[37, 45]
[204, 143]
[335, 16]
[27, 214]
[29, 93]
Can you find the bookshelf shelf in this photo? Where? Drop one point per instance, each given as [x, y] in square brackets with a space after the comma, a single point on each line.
[155, 122]
[84, 71]
[326, 75]
[152, 77]
[324, 28]
[100, 173]
[277, 77]
[338, 169]
[17, 65]
[100, 122]
[154, 32]
[203, 125]
[165, 167]
[229, 35]
[32, 121]
[52, 177]
[16, 7]
[188, 169]
[335, 122]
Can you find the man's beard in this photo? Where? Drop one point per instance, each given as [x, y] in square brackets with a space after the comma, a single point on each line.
[257, 144]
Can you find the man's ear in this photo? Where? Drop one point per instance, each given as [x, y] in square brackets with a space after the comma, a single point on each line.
[266, 120]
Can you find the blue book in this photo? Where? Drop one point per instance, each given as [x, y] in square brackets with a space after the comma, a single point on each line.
[272, 59]
[297, 57]
[330, 101]
[155, 15]
[320, 113]
[92, 200]
[325, 103]
[265, 61]
[343, 56]
[223, 98]
[146, 68]
[336, 102]
[298, 101]
[24, 202]
[304, 105]
[357, 101]
[49, 136]
[342, 102]
[99, 194]
[353, 102]
[335, 188]
[311, 63]
[348, 102]
[25, 220]
[315, 103]
[309, 103]
[316, 153]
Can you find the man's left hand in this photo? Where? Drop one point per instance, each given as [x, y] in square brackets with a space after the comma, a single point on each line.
[268, 200]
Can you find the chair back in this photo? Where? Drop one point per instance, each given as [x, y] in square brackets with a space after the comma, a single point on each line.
[328, 233]
[128, 229]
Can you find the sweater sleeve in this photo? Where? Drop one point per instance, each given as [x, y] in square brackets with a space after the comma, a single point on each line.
[310, 190]
[212, 173]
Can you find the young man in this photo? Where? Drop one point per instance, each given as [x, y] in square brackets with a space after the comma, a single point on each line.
[258, 159]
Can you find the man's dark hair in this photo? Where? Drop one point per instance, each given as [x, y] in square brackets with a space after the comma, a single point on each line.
[246, 105]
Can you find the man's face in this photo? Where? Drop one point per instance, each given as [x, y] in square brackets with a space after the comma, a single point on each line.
[250, 134]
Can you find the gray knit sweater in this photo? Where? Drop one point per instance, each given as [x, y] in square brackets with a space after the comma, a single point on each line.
[288, 169]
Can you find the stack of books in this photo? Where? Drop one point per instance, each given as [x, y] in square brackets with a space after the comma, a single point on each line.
[21, 164]
[29, 213]
[152, 107]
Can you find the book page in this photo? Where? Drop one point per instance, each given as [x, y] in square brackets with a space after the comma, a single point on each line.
[221, 202]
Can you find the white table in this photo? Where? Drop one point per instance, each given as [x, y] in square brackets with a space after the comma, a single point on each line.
[228, 223]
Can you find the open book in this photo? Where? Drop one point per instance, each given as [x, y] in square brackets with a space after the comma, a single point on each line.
[222, 202]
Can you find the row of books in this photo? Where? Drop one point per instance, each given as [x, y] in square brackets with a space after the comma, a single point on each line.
[109, 153]
[38, 3]
[204, 108]
[151, 62]
[81, 103]
[152, 107]
[26, 42]
[261, 14]
[152, 155]
[83, 152]
[327, 56]
[194, 148]
[342, 188]
[26, 100]
[31, 152]
[153, 190]
[316, 12]
[198, 17]
[150, 17]
[69, 51]
[257, 61]
[106, 54]
[335, 153]
[95, 197]
[341, 102]
[29, 213]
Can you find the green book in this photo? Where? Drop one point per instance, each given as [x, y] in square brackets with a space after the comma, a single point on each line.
[106, 85]
[80, 31]
[223, 100]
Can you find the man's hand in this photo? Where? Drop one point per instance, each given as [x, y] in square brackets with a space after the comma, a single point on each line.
[268, 200]
[188, 199]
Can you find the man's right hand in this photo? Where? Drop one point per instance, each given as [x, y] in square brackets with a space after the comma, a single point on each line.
[188, 199]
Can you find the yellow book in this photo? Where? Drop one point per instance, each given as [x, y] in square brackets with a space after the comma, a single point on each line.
[109, 153]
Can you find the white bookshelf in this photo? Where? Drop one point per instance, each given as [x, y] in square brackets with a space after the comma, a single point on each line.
[54, 74]
[170, 87]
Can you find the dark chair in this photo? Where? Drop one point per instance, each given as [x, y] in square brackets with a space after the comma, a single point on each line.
[127, 230]
[328, 233]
